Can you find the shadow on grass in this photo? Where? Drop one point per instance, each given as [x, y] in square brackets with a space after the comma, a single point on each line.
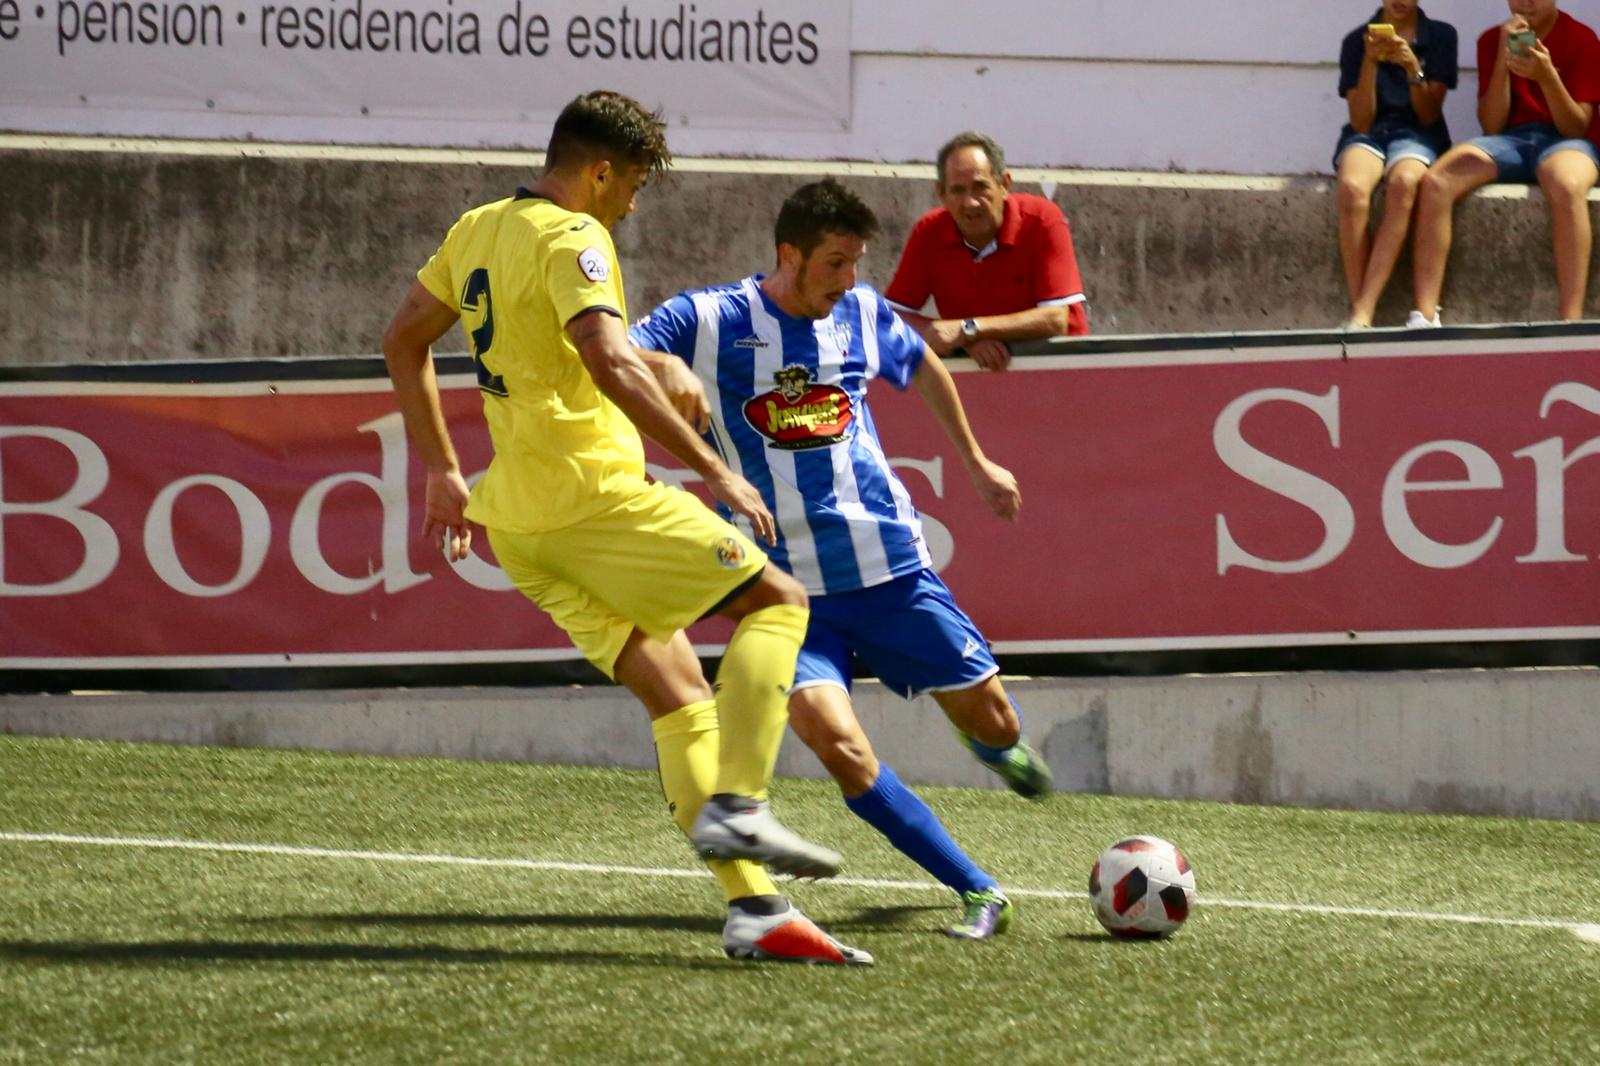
[1108, 940]
[164, 952]
[670, 923]
[890, 919]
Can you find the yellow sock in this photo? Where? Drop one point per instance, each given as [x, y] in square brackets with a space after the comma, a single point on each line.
[686, 752]
[753, 696]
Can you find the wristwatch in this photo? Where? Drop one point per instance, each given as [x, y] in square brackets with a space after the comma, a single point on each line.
[1420, 78]
[969, 328]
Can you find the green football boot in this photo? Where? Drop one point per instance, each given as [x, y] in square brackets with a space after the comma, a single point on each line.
[988, 914]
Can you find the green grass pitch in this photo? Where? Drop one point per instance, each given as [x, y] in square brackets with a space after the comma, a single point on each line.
[122, 952]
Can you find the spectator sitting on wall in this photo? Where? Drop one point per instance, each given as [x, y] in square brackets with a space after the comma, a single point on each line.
[999, 265]
[1394, 81]
[1538, 83]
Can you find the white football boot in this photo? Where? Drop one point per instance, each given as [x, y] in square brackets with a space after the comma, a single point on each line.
[786, 937]
[750, 831]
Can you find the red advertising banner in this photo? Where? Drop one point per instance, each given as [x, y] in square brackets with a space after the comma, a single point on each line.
[1306, 494]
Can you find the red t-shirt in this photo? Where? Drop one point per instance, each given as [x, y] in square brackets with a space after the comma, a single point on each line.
[1031, 263]
[1574, 49]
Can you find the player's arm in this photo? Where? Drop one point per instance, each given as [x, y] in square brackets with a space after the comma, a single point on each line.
[1494, 100]
[407, 351]
[1569, 116]
[620, 373]
[1051, 320]
[944, 336]
[995, 484]
[683, 389]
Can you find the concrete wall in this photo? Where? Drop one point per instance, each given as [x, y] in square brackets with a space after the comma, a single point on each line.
[130, 251]
[1523, 742]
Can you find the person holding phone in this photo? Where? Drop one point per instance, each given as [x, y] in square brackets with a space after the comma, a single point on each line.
[1394, 73]
[1538, 84]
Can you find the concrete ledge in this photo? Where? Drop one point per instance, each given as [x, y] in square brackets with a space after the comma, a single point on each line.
[203, 250]
[1516, 742]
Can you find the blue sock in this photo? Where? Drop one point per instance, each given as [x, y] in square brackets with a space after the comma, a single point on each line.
[899, 814]
[984, 751]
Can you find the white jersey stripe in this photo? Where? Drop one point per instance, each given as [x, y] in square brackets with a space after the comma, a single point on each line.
[707, 345]
[789, 506]
[866, 533]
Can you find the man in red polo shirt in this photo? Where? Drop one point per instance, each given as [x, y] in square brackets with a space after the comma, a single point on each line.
[999, 265]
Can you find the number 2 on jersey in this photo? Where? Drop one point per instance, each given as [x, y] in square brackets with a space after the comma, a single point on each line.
[476, 299]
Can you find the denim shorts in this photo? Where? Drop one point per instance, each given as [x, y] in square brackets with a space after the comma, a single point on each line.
[1390, 145]
[1518, 151]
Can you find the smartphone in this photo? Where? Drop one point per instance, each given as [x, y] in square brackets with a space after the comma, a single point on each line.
[1521, 42]
[1380, 29]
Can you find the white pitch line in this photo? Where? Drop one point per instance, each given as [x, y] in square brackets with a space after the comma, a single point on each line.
[1586, 931]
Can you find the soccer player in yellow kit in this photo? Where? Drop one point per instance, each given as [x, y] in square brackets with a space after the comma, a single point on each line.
[622, 564]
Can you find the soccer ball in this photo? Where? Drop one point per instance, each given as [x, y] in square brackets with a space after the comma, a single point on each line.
[1141, 887]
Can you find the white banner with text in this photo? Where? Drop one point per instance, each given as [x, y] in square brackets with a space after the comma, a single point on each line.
[501, 65]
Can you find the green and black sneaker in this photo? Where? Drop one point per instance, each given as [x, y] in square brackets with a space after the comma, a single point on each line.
[1023, 769]
[988, 914]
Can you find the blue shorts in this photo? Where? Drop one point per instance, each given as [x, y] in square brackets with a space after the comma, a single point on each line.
[1391, 146]
[908, 631]
[1518, 151]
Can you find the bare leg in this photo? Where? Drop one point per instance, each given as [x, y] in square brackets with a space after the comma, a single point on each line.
[1359, 173]
[1399, 198]
[664, 677]
[982, 712]
[1566, 178]
[824, 720]
[1459, 171]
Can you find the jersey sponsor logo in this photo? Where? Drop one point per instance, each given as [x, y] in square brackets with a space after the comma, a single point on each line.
[800, 413]
[970, 649]
[750, 342]
[580, 226]
[730, 553]
[593, 263]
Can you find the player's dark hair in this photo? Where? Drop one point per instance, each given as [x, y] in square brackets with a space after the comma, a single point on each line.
[822, 207]
[608, 125]
[973, 139]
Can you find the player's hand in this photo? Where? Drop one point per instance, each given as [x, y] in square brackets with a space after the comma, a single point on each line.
[1536, 65]
[683, 389]
[1401, 55]
[991, 355]
[1514, 24]
[998, 488]
[444, 522]
[1373, 47]
[741, 497]
[943, 336]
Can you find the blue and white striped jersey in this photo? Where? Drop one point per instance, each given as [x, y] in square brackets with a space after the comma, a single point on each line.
[789, 412]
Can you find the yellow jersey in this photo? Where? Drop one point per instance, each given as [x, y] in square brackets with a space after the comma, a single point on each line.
[517, 271]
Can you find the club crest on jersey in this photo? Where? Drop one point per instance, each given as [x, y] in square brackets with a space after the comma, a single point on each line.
[730, 553]
[800, 413]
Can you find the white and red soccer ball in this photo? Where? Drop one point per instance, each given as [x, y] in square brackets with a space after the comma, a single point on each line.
[1142, 887]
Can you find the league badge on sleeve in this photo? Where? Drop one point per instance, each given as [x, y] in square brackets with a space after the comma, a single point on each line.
[594, 264]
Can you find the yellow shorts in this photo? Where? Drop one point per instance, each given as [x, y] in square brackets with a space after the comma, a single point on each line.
[655, 563]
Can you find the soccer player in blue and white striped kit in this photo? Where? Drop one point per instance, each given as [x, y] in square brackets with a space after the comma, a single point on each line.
[774, 369]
